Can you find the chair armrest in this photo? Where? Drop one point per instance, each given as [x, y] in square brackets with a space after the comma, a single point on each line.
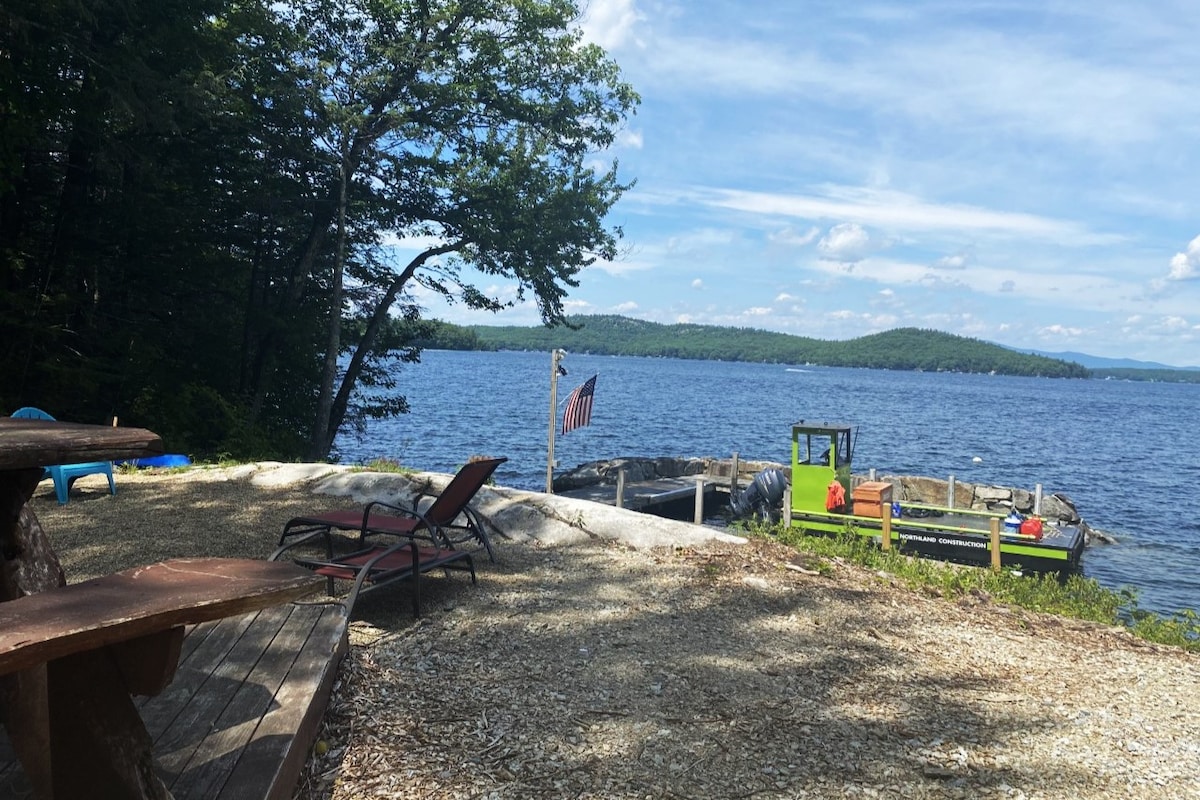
[392, 509]
[434, 534]
[303, 536]
[365, 570]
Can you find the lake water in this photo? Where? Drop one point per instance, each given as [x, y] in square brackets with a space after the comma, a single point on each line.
[1127, 453]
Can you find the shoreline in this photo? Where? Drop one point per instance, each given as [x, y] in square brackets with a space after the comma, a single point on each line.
[587, 666]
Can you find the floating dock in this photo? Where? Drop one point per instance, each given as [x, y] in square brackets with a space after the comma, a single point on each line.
[673, 498]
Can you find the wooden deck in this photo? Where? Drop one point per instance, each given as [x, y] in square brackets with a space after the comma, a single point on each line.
[239, 718]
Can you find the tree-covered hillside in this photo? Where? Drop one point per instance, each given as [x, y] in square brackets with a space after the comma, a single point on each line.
[904, 348]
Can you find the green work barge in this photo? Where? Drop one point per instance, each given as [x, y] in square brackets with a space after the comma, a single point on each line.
[825, 499]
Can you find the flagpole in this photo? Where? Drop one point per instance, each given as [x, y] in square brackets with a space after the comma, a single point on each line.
[556, 358]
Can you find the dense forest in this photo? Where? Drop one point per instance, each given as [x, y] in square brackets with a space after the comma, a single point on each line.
[904, 348]
[199, 200]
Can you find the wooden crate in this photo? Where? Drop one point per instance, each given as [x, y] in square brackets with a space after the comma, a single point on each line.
[874, 492]
[872, 498]
[865, 508]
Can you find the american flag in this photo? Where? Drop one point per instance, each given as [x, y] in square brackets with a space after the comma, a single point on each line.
[579, 406]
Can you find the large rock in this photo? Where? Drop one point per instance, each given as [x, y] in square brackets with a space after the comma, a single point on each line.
[648, 469]
[530, 516]
[993, 498]
[934, 491]
[1060, 507]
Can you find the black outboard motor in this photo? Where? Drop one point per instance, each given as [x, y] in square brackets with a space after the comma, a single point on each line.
[762, 496]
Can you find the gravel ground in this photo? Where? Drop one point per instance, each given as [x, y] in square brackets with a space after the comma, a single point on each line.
[719, 671]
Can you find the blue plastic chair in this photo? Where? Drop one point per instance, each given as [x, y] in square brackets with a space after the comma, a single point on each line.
[65, 474]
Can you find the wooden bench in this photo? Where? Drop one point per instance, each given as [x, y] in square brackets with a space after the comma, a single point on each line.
[72, 657]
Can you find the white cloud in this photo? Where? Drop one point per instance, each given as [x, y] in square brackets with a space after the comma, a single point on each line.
[846, 242]
[626, 307]
[609, 23]
[1185, 266]
[949, 71]
[956, 261]
[1060, 331]
[791, 236]
[899, 210]
[700, 239]
[759, 311]
[631, 139]
[625, 265]
[698, 284]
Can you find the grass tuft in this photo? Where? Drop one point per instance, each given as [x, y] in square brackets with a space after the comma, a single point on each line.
[384, 465]
[1076, 597]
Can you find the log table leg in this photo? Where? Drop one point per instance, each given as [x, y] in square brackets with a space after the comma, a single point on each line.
[72, 722]
[99, 744]
[27, 565]
[24, 712]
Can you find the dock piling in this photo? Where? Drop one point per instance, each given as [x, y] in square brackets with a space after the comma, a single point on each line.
[620, 488]
[995, 543]
[733, 478]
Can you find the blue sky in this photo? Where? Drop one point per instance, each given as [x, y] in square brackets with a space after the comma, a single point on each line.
[1020, 172]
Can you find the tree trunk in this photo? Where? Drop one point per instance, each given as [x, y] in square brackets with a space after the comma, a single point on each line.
[323, 432]
[378, 318]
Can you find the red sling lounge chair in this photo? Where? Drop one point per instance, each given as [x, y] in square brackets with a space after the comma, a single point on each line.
[414, 542]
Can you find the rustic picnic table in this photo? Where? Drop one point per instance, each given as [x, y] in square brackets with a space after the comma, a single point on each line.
[72, 657]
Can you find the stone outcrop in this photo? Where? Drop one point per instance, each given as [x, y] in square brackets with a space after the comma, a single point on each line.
[517, 514]
[1056, 507]
[649, 469]
[981, 497]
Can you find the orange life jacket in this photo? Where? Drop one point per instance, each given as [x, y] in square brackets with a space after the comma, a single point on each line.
[835, 497]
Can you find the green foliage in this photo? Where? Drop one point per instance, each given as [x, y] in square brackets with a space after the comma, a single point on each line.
[389, 465]
[438, 335]
[1181, 629]
[1076, 597]
[196, 196]
[904, 348]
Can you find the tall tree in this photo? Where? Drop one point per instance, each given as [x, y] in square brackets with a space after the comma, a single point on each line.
[104, 204]
[471, 125]
[195, 197]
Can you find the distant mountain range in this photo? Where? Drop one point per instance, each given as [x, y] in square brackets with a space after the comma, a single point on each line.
[1099, 362]
[901, 348]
